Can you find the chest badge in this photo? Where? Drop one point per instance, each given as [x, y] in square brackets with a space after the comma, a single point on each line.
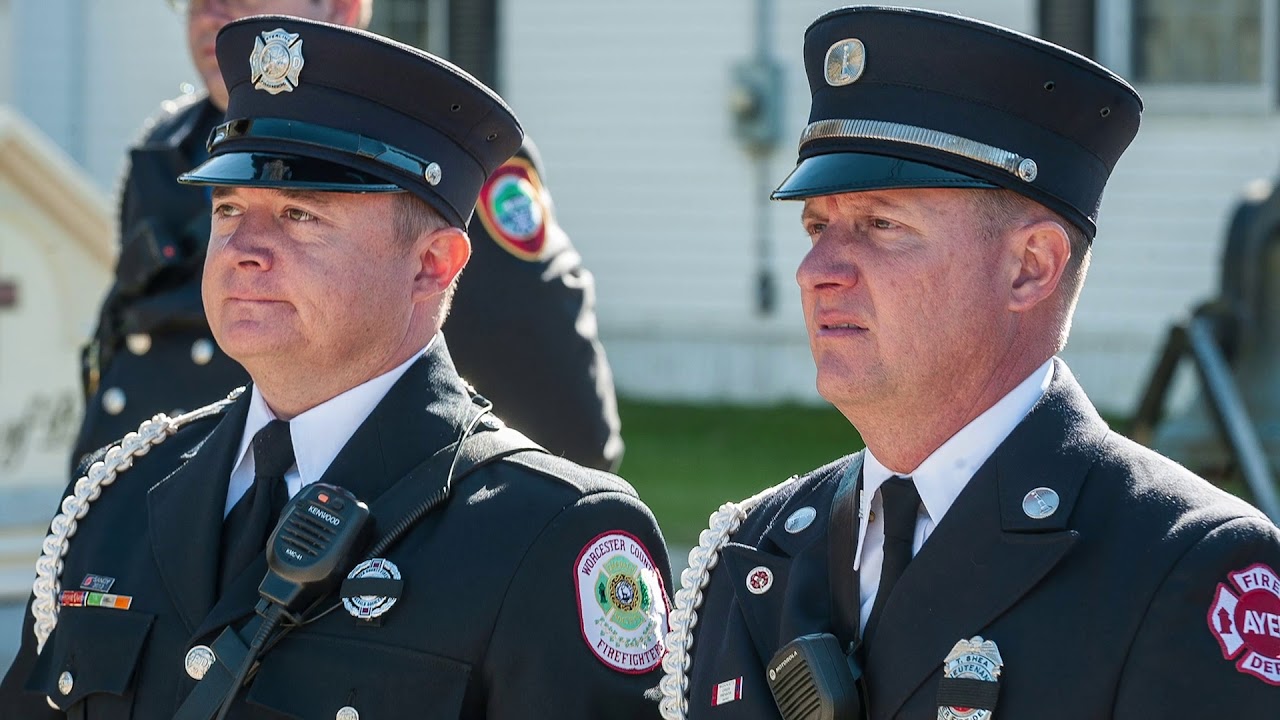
[371, 588]
[970, 680]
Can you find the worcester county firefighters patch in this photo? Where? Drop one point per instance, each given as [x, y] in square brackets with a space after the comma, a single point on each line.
[1245, 619]
[514, 210]
[621, 603]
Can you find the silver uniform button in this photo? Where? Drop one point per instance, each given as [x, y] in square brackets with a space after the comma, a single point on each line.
[113, 401]
[1040, 503]
[202, 351]
[347, 713]
[199, 659]
[138, 343]
[801, 519]
[433, 174]
[65, 683]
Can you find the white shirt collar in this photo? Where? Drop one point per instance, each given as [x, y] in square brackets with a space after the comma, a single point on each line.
[318, 434]
[946, 472]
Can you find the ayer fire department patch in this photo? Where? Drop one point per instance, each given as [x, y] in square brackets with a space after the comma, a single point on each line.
[1245, 618]
[621, 603]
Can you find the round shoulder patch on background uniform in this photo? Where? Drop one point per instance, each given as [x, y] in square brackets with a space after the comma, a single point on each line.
[1245, 620]
[513, 208]
[621, 604]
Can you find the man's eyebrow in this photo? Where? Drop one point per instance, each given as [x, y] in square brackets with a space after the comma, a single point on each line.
[809, 213]
[314, 197]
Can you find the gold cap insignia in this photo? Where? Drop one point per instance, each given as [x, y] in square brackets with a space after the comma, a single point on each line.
[276, 61]
[845, 62]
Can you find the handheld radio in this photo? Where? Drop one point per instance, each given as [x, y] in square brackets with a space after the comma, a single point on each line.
[320, 531]
[811, 678]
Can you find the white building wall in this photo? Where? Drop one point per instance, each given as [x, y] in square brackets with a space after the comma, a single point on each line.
[88, 73]
[629, 105]
[6, 58]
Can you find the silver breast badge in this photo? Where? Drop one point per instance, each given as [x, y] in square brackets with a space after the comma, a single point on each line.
[971, 671]
[371, 588]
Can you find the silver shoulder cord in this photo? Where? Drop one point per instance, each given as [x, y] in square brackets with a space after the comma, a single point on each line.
[119, 457]
[702, 559]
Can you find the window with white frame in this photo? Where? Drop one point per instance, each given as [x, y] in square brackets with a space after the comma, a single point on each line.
[1203, 56]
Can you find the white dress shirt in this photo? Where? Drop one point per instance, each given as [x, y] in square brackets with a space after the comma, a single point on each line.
[939, 479]
[318, 434]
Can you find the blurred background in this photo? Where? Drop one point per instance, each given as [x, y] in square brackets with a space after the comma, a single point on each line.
[663, 126]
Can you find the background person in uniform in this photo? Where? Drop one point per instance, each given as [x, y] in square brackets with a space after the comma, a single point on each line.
[523, 331]
[342, 184]
[996, 543]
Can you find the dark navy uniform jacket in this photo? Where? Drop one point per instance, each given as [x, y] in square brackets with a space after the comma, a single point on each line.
[487, 625]
[522, 326]
[1105, 609]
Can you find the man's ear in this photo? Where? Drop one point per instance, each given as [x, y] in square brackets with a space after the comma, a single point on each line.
[1041, 251]
[441, 255]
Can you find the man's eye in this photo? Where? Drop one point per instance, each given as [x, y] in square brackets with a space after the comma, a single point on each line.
[225, 210]
[815, 229]
[882, 224]
[299, 215]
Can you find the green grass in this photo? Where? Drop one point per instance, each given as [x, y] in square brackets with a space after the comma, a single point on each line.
[685, 460]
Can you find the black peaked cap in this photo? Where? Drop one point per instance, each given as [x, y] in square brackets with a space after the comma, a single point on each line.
[912, 98]
[324, 107]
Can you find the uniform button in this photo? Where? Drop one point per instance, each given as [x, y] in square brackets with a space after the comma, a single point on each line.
[65, 683]
[199, 659]
[202, 351]
[347, 713]
[138, 343]
[113, 401]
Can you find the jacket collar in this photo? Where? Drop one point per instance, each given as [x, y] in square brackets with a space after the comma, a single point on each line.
[987, 552]
[418, 416]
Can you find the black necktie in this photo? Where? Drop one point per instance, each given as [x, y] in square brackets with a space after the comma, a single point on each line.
[254, 516]
[901, 503]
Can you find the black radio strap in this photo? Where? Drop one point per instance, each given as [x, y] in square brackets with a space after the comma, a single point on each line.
[842, 539]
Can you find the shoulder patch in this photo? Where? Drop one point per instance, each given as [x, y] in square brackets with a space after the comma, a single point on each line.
[621, 604]
[1246, 621]
[513, 208]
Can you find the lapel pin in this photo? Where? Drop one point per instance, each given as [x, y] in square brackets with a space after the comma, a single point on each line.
[198, 661]
[97, 583]
[371, 588]
[759, 580]
[801, 519]
[1040, 503]
[970, 680]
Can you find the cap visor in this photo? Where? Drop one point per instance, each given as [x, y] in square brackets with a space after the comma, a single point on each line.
[282, 170]
[835, 173]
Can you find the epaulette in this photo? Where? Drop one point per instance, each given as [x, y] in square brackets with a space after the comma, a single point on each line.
[174, 118]
[102, 471]
[586, 481]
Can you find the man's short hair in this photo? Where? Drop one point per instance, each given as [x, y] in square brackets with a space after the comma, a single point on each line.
[413, 217]
[1000, 208]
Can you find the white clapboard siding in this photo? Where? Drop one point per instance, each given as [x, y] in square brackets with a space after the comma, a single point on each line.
[629, 104]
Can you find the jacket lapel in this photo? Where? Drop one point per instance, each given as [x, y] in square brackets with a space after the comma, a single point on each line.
[418, 416]
[986, 553]
[798, 601]
[184, 512]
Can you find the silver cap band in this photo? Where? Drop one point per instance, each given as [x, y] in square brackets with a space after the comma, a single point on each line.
[861, 129]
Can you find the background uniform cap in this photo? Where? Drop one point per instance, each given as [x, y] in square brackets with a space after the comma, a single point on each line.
[323, 107]
[911, 98]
